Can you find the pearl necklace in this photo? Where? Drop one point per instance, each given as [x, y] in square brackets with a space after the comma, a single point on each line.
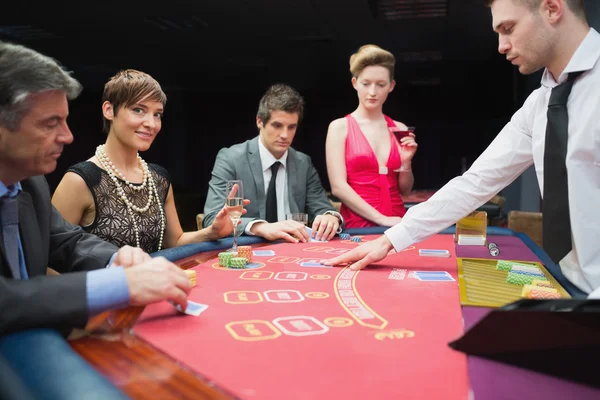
[113, 173]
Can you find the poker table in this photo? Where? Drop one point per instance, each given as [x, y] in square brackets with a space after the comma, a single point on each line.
[288, 328]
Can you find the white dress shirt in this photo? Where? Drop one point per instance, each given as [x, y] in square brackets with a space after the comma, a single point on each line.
[517, 146]
[267, 159]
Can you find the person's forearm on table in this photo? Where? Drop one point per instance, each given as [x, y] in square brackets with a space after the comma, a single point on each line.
[106, 289]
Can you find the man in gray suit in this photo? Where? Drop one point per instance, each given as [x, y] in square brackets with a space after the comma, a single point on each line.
[277, 179]
[33, 236]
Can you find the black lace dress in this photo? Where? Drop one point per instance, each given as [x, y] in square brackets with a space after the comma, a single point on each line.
[112, 221]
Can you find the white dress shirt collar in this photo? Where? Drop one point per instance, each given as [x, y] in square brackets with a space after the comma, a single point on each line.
[267, 159]
[584, 59]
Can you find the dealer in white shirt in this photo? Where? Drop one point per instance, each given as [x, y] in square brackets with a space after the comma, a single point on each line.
[558, 38]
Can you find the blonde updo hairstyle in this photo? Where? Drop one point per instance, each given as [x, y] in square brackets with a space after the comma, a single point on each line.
[369, 55]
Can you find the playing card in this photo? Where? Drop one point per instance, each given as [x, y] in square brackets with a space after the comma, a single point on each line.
[312, 239]
[193, 308]
[434, 253]
[314, 264]
[433, 276]
[259, 253]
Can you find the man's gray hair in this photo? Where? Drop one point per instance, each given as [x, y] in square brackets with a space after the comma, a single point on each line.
[24, 72]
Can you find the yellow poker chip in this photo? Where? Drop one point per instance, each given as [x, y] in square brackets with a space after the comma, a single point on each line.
[191, 276]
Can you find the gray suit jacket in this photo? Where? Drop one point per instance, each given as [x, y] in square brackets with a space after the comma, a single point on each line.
[242, 162]
[48, 241]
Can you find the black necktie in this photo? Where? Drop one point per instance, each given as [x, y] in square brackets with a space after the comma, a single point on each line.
[272, 194]
[555, 207]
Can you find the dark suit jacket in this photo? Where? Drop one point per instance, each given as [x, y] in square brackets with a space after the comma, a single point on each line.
[48, 241]
[242, 162]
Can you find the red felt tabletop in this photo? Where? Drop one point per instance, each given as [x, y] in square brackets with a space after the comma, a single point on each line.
[287, 331]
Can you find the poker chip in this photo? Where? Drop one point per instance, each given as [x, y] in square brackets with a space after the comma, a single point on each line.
[494, 252]
[237, 262]
[356, 239]
[344, 236]
[246, 252]
[528, 270]
[191, 276]
[516, 278]
[540, 294]
[522, 278]
[527, 289]
[530, 274]
[542, 283]
[503, 265]
[491, 245]
[225, 259]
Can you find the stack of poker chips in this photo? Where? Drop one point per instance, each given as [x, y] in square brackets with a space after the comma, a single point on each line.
[539, 292]
[344, 236]
[542, 283]
[542, 294]
[246, 252]
[191, 276]
[225, 259]
[356, 239]
[528, 270]
[503, 265]
[237, 262]
[516, 278]
[519, 277]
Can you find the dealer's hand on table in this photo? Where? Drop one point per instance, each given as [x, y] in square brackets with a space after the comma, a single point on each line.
[363, 255]
[157, 280]
[128, 256]
[324, 227]
[290, 231]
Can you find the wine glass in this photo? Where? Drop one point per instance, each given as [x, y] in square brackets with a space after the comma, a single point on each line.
[298, 217]
[400, 133]
[234, 192]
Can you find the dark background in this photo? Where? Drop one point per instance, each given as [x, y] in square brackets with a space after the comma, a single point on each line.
[215, 59]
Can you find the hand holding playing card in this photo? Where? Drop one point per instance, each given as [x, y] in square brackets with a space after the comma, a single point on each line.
[192, 308]
[157, 280]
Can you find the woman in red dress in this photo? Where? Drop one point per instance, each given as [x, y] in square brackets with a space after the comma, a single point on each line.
[368, 167]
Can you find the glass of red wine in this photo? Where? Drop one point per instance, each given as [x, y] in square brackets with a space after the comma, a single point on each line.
[400, 133]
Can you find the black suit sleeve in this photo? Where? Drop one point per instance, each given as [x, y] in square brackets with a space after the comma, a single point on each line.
[48, 240]
[57, 302]
[72, 249]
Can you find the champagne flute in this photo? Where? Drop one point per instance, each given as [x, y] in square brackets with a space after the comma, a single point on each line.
[234, 192]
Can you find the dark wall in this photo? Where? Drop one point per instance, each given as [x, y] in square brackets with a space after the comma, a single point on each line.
[455, 120]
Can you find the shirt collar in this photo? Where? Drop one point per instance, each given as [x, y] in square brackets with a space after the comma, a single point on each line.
[10, 191]
[584, 59]
[267, 159]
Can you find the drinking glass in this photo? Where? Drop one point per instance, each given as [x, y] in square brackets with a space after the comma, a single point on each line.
[234, 192]
[399, 133]
[298, 217]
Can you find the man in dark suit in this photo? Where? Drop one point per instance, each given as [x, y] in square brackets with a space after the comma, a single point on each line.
[277, 179]
[95, 276]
